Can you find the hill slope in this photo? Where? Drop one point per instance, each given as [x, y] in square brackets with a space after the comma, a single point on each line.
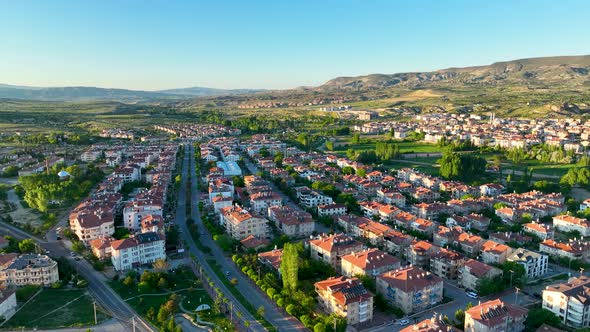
[570, 70]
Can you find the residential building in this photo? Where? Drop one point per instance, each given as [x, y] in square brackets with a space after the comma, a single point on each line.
[370, 262]
[535, 264]
[311, 199]
[140, 249]
[446, 263]
[410, 288]
[239, 223]
[261, 201]
[27, 269]
[331, 210]
[396, 243]
[434, 324]
[494, 316]
[494, 252]
[570, 301]
[92, 224]
[574, 249]
[419, 253]
[292, 222]
[330, 248]
[474, 272]
[539, 230]
[272, 259]
[345, 297]
[567, 223]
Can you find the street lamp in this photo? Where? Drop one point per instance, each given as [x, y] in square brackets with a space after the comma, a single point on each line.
[511, 274]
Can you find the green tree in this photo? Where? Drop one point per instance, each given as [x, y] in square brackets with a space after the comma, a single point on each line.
[539, 316]
[290, 266]
[27, 246]
[356, 138]
[330, 145]
[460, 316]
[361, 172]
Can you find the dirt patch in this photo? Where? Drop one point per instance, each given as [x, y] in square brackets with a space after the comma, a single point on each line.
[21, 215]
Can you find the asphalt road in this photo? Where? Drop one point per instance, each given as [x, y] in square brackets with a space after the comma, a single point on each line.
[97, 286]
[278, 319]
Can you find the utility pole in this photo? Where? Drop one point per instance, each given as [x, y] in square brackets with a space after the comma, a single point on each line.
[133, 320]
[511, 273]
[581, 271]
[516, 296]
[95, 320]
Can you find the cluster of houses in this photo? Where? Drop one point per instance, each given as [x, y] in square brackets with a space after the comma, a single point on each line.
[197, 131]
[568, 133]
[93, 220]
[409, 249]
[117, 133]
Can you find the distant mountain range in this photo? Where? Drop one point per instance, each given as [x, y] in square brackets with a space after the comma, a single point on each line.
[93, 93]
[535, 71]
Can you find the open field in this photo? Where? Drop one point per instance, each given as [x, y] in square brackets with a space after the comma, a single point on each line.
[56, 308]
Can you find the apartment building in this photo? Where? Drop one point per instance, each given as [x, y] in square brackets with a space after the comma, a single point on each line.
[292, 222]
[410, 288]
[311, 199]
[92, 224]
[570, 301]
[261, 201]
[535, 264]
[419, 252]
[494, 252]
[567, 223]
[239, 223]
[330, 248]
[331, 210]
[446, 263]
[574, 249]
[345, 297]
[143, 248]
[494, 316]
[27, 269]
[370, 262]
[541, 231]
[474, 272]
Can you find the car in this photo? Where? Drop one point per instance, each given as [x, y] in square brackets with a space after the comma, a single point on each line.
[73, 254]
[58, 238]
[472, 295]
[404, 322]
[227, 273]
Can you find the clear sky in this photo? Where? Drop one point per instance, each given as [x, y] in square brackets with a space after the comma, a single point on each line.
[271, 44]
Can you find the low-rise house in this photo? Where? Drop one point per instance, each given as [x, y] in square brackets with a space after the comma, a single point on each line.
[494, 252]
[570, 301]
[27, 269]
[345, 297]
[370, 262]
[541, 231]
[431, 211]
[493, 316]
[567, 223]
[272, 259]
[387, 212]
[470, 244]
[491, 189]
[373, 231]
[410, 288]
[423, 226]
[535, 264]
[418, 253]
[585, 204]
[143, 248]
[390, 196]
[330, 248]
[445, 235]
[331, 210]
[574, 249]
[446, 263]
[474, 272]
[291, 222]
[254, 243]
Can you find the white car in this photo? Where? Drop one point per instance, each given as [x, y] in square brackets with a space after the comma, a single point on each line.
[404, 322]
[472, 295]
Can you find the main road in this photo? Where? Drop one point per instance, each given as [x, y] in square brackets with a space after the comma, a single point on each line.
[272, 313]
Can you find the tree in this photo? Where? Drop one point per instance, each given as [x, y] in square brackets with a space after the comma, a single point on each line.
[539, 316]
[161, 265]
[356, 138]
[330, 145]
[27, 246]
[290, 266]
[361, 172]
[320, 327]
[128, 281]
[460, 316]
[260, 311]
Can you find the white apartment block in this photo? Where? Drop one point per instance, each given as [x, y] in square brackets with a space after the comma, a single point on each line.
[535, 264]
[143, 248]
[570, 301]
[27, 269]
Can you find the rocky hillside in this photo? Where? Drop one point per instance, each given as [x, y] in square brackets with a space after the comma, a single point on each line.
[570, 70]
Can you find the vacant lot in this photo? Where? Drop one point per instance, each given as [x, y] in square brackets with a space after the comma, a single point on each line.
[56, 308]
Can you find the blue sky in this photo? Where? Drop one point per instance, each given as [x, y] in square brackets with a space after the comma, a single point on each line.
[271, 44]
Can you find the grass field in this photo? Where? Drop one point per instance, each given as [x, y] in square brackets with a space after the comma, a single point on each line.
[344, 144]
[56, 308]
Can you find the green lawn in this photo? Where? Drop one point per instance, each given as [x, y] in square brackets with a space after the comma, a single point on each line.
[45, 311]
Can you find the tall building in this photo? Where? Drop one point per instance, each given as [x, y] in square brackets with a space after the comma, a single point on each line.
[143, 248]
[535, 264]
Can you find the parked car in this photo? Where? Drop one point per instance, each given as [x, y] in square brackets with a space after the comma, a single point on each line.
[472, 295]
[404, 322]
